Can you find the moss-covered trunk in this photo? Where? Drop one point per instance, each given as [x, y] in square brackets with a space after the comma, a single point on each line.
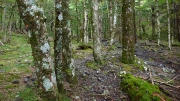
[35, 21]
[63, 51]
[128, 31]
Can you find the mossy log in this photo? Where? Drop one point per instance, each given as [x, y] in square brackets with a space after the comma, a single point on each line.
[141, 90]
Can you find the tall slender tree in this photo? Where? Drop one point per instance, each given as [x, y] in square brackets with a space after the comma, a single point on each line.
[96, 34]
[86, 38]
[153, 20]
[169, 30]
[158, 22]
[128, 31]
[35, 22]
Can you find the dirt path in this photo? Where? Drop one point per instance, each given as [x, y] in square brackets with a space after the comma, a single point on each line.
[97, 84]
[103, 84]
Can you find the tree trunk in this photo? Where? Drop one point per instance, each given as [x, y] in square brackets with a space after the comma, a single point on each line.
[153, 21]
[111, 20]
[135, 29]
[62, 45]
[178, 21]
[158, 22]
[96, 34]
[77, 24]
[35, 20]
[169, 30]
[128, 31]
[86, 39]
[140, 33]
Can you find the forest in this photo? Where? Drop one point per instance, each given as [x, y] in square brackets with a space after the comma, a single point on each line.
[89, 50]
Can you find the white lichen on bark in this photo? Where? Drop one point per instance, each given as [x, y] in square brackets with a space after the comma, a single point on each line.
[60, 17]
[47, 84]
[45, 48]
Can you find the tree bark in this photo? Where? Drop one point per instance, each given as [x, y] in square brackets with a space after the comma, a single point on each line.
[140, 33]
[158, 22]
[111, 20]
[96, 34]
[128, 31]
[86, 39]
[169, 30]
[62, 45]
[77, 24]
[153, 21]
[178, 21]
[34, 18]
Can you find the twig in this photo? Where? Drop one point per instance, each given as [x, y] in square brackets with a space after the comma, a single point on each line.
[173, 78]
[166, 84]
[1, 43]
[160, 82]
[150, 75]
[167, 93]
[114, 76]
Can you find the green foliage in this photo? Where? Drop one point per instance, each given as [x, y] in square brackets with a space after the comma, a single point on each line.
[140, 90]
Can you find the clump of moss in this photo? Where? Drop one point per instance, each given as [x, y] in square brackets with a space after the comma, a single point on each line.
[141, 90]
[93, 65]
[127, 68]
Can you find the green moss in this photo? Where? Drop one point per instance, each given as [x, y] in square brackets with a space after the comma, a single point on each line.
[177, 44]
[93, 65]
[126, 67]
[139, 66]
[63, 97]
[28, 94]
[71, 79]
[79, 54]
[140, 90]
[10, 86]
[1, 96]
[150, 59]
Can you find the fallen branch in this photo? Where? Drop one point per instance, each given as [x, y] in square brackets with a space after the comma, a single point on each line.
[167, 93]
[166, 84]
[160, 82]
[173, 78]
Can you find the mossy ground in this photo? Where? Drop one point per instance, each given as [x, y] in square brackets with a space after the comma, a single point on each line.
[16, 61]
[140, 90]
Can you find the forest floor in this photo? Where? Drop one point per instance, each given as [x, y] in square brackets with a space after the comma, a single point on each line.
[95, 82]
[102, 83]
